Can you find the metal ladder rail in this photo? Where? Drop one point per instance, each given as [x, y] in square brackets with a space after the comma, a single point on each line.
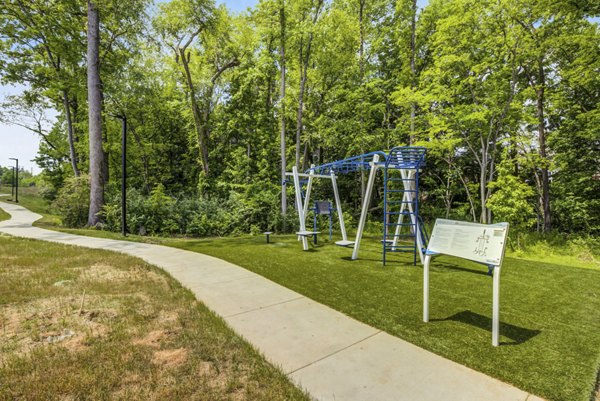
[417, 227]
[388, 215]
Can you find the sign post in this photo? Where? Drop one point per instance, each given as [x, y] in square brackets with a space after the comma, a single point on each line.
[481, 243]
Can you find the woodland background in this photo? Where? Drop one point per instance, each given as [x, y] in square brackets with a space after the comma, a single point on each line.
[504, 94]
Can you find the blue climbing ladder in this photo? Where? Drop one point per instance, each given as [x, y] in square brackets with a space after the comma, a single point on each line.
[401, 197]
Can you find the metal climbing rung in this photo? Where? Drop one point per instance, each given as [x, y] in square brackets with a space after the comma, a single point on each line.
[400, 224]
[410, 160]
[395, 191]
[403, 213]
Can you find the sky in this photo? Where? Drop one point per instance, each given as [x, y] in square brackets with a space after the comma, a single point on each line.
[16, 141]
[238, 5]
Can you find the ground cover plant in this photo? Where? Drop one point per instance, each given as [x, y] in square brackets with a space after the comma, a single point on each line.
[89, 324]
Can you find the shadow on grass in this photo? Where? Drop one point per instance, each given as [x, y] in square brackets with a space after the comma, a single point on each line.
[519, 335]
[444, 265]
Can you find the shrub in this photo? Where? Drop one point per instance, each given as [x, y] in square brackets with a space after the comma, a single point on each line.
[73, 201]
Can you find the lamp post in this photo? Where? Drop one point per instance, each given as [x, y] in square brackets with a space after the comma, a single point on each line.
[12, 182]
[16, 181]
[123, 175]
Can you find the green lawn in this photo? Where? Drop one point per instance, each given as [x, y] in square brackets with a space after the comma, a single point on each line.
[90, 324]
[29, 198]
[4, 215]
[550, 311]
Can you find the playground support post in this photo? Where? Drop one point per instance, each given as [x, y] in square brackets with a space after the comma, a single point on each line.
[365, 206]
[338, 206]
[308, 191]
[299, 206]
[16, 179]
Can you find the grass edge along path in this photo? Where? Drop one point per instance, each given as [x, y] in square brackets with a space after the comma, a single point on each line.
[134, 333]
[4, 215]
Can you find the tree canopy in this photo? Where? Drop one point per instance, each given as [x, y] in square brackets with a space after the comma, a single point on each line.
[504, 94]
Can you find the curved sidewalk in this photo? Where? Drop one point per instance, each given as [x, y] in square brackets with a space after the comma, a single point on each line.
[330, 355]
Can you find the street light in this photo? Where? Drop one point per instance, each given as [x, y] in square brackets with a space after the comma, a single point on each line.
[123, 174]
[16, 181]
[12, 182]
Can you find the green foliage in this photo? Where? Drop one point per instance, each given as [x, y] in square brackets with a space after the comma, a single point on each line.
[511, 200]
[160, 214]
[201, 87]
[72, 201]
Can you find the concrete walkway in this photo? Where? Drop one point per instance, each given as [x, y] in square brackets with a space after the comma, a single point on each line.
[328, 354]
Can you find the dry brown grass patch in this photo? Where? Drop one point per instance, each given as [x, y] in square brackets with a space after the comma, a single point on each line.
[102, 272]
[49, 322]
[170, 357]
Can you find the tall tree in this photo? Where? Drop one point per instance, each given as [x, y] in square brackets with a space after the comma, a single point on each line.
[96, 155]
[41, 56]
[304, 53]
[196, 31]
[471, 95]
[282, 108]
[413, 68]
[544, 24]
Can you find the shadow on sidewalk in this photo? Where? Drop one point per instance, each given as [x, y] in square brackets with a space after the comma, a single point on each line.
[518, 334]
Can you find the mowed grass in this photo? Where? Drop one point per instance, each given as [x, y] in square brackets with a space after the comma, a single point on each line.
[4, 215]
[550, 311]
[89, 324]
[550, 314]
[29, 198]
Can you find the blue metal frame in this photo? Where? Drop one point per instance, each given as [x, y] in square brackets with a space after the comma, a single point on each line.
[317, 211]
[398, 158]
[349, 165]
[407, 158]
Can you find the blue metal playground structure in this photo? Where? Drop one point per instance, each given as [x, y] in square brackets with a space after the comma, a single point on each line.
[401, 168]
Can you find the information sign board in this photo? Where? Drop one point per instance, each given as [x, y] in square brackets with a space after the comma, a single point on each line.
[483, 243]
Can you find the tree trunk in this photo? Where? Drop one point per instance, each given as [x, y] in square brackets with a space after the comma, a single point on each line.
[361, 70]
[545, 196]
[482, 191]
[304, 62]
[198, 123]
[282, 110]
[95, 115]
[413, 71]
[299, 115]
[70, 134]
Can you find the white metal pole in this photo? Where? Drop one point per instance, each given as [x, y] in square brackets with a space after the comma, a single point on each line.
[405, 198]
[308, 190]
[496, 307]
[338, 206]
[365, 206]
[426, 288]
[299, 206]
